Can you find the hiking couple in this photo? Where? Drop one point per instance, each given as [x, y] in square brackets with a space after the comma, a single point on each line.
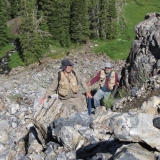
[67, 81]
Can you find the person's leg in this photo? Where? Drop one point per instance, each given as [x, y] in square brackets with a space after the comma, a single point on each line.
[67, 103]
[78, 104]
[81, 103]
[97, 97]
[89, 105]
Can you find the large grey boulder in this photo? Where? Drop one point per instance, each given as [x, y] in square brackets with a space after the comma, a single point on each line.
[135, 127]
[73, 131]
[143, 59]
[133, 152]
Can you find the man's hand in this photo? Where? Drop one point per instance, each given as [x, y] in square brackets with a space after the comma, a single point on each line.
[88, 94]
[117, 83]
[42, 100]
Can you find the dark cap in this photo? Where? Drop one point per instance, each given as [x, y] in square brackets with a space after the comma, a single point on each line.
[65, 63]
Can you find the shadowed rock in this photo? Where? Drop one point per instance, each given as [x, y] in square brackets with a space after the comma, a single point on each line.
[143, 59]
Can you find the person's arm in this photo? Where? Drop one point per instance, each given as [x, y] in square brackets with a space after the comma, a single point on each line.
[82, 82]
[84, 85]
[52, 88]
[95, 79]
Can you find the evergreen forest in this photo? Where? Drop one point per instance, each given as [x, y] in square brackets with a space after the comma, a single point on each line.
[33, 27]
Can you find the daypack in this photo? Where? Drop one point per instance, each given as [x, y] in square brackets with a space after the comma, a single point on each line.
[156, 122]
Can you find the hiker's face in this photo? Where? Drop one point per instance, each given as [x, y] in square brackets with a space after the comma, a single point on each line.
[107, 70]
[68, 69]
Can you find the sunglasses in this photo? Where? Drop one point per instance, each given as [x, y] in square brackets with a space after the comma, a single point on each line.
[107, 68]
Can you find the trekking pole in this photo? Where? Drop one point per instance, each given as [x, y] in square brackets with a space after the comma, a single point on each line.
[89, 106]
[115, 90]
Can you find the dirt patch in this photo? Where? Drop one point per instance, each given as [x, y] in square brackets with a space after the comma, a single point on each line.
[136, 103]
[87, 48]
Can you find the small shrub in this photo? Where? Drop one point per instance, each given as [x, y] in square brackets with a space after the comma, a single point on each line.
[122, 92]
[108, 101]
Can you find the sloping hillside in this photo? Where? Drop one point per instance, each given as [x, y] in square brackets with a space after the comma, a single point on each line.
[130, 13]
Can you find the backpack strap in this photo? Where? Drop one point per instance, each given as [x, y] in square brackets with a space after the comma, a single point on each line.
[59, 77]
[74, 73]
[116, 78]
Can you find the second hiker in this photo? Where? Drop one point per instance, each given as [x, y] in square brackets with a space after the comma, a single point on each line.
[107, 79]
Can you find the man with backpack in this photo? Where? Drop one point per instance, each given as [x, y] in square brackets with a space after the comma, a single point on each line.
[107, 79]
[66, 84]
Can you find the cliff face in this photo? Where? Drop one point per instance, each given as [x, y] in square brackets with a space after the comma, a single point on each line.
[143, 60]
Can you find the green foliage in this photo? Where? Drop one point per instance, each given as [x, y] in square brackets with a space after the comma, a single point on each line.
[47, 22]
[142, 76]
[31, 47]
[103, 21]
[115, 49]
[79, 26]
[107, 19]
[55, 51]
[133, 13]
[93, 18]
[30, 38]
[15, 60]
[59, 22]
[44, 14]
[3, 26]
[7, 9]
[15, 8]
[108, 101]
[5, 49]
[122, 92]
[112, 18]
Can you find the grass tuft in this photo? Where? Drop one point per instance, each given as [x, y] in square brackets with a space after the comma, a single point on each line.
[108, 101]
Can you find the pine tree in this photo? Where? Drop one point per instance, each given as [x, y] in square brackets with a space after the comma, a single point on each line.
[94, 18]
[3, 25]
[15, 8]
[103, 19]
[30, 39]
[45, 6]
[59, 22]
[112, 18]
[7, 7]
[44, 13]
[79, 27]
